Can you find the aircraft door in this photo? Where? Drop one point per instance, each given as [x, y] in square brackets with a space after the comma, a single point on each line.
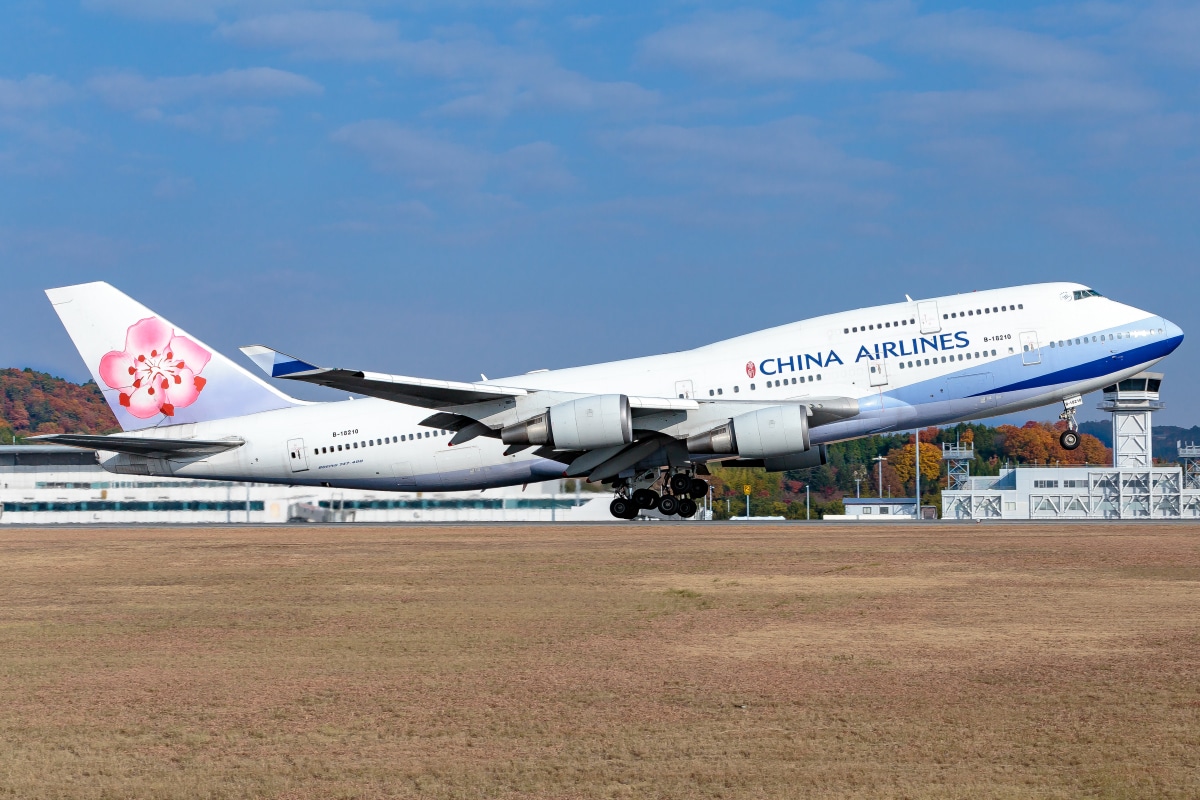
[683, 389]
[296, 455]
[927, 315]
[879, 373]
[1030, 352]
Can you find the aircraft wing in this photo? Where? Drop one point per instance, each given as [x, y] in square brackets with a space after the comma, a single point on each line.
[421, 392]
[144, 445]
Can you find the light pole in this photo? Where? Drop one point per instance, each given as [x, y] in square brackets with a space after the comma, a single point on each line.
[917, 446]
[857, 488]
[806, 495]
[879, 460]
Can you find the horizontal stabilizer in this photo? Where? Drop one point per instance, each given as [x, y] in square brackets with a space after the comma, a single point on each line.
[144, 446]
[421, 392]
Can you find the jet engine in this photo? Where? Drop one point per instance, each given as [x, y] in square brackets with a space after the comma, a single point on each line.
[773, 432]
[599, 421]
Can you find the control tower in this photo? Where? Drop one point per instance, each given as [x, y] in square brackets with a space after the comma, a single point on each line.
[1132, 402]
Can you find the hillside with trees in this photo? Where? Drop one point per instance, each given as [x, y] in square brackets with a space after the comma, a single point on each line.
[34, 402]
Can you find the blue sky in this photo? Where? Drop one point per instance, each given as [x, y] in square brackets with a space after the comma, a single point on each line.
[445, 189]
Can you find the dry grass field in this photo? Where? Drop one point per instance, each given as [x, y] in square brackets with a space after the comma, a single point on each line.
[654, 660]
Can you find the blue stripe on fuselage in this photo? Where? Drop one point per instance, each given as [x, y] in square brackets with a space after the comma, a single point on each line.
[1094, 369]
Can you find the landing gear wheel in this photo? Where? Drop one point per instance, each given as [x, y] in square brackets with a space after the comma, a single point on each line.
[645, 498]
[668, 504]
[697, 488]
[680, 483]
[687, 508]
[1069, 440]
[623, 508]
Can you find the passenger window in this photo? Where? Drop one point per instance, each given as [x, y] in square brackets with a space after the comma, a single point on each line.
[1020, 305]
[720, 391]
[735, 389]
[711, 392]
[845, 330]
[793, 380]
[818, 376]
[752, 387]
[887, 324]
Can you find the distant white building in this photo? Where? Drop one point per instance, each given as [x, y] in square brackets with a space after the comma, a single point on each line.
[880, 509]
[50, 484]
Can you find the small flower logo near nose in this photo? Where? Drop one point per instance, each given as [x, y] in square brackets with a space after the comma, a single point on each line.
[750, 369]
[157, 372]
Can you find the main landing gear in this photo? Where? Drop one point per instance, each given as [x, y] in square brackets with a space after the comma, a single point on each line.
[1069, 439]
[679, 496]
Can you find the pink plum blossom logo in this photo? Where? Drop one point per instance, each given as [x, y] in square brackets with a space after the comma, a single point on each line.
[157, 372]
[750, 370]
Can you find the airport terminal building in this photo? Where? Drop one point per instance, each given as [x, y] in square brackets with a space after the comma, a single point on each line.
[50, 484]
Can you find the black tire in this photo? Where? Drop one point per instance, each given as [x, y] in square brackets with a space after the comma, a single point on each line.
[687, 508]
[645, 498]
[1069, 440]
[668, 504]
[622, 508]
[697, 488]
[680, 483]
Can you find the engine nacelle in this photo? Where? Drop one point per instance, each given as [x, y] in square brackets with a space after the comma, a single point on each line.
[775, 432]
[602, 420]
[772, 432]
[813, 457]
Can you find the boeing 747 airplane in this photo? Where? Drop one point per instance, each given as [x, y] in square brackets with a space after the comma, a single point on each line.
[646, 426]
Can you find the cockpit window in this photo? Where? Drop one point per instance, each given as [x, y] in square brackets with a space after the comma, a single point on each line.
[1082, 293]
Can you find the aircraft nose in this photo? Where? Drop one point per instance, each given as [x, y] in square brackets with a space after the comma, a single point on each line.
[1172, 331]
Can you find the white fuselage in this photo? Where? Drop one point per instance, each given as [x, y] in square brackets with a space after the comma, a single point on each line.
[907, 364]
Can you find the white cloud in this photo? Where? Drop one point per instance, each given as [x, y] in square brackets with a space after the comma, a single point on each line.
[1168, 32]
[430, 163]
[777, 158]
[184, 10]
[758, 46]
[32, 93]
[967, 38]
[345, 35]
[1040, 98]
[490, 79]
[131, 91]
[424, 161]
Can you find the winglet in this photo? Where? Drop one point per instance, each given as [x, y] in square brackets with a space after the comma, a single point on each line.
[275, 363]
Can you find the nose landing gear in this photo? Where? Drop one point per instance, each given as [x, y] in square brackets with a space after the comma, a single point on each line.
[1069, 439]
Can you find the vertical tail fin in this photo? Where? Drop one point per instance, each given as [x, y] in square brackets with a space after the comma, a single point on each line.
[150, 371]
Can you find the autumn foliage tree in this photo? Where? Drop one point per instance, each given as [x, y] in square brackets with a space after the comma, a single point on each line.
[1037, 443]
[904, 461]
